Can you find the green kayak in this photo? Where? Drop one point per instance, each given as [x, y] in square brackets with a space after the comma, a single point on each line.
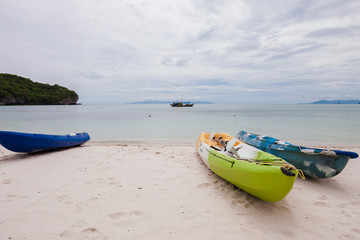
[259, 173]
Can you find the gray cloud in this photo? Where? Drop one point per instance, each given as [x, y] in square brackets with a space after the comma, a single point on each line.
[293, 52]
[167, 61]
[122, 51]
[335, 32]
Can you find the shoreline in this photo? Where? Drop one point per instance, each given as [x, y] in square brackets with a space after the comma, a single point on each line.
[161, 191]
[117, 142]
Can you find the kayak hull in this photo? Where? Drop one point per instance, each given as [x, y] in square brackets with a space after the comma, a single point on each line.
[260, 174]
[314, 162]
[31, 142]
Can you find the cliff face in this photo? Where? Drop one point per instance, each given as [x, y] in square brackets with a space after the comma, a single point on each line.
[15, 90]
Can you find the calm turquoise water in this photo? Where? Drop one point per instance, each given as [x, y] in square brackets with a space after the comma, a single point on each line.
[311, 125]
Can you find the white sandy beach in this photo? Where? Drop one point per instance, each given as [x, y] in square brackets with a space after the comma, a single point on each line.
[161, 191]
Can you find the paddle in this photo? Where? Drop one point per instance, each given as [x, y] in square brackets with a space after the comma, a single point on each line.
[230, 148]
[212, 135]
[220, 141]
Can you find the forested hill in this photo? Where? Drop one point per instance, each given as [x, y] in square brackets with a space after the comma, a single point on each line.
[337, 102]
[16, 90]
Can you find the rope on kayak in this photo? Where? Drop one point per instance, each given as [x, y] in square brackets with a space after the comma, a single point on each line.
[285, 165]
[219, 156]
[291, 167]
[301, 173]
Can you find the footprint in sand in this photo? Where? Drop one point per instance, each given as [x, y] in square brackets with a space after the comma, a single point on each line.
[136, 213]
[114, 181]
[7, 181]
[356, 230]
[323, 198]
[67, 200]
[349, 204]
[118, 215]
[109, 181]
[204, 185]
[79, 224]
[81, 169]
[321, 204]
[11, 197]
[65, 234]
[288, 234]
[93, 233]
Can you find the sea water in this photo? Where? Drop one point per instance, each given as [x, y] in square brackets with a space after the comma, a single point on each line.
[335, 125]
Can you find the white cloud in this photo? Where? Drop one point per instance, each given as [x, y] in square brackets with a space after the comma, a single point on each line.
[158, 49]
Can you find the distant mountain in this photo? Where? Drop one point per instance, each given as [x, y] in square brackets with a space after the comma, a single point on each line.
[168, 102]
[337, 102]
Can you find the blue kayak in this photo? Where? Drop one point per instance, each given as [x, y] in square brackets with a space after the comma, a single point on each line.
[314, 162]
[31, 142]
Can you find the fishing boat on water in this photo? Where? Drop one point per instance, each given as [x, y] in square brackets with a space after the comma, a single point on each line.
[182, 104]
[32, 142]
[259, 173]
[314, 162]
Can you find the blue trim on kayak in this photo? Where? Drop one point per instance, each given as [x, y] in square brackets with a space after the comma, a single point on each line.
[346, 153]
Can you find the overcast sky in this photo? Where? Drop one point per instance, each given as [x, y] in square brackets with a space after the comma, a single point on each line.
[225, 51]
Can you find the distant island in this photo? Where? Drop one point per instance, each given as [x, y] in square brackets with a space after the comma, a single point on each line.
[167, 102]
[337, 102]
[16, 90]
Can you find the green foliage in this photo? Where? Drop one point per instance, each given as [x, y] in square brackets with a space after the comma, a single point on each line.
[25, 91]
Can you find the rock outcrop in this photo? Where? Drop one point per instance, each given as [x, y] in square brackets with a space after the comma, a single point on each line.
[16, 90]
